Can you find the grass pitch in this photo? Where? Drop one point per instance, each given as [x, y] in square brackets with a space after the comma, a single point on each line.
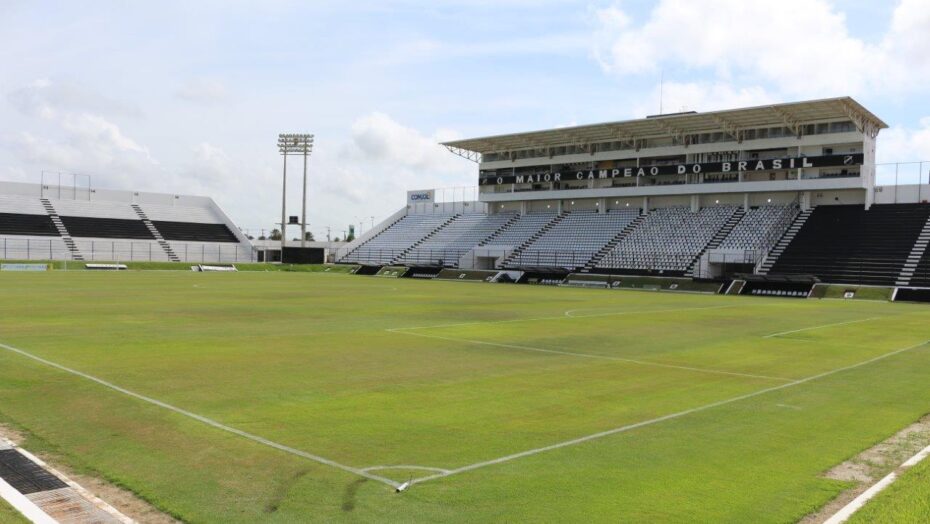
[8, 515]
[525, 403]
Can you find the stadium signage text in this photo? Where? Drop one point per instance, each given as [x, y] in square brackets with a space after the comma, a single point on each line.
[772, 164]
[420, 196]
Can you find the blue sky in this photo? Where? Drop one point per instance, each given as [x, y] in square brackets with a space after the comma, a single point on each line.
[188, 97]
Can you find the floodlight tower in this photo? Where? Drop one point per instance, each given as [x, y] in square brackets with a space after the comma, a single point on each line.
[294, 144]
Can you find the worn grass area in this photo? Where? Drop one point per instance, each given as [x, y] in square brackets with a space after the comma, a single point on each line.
[907, 500]
[308, 360]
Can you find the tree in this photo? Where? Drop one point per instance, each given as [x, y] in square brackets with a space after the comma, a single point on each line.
[275, 235]
[350, 237]
[309, 236]
[336, 239]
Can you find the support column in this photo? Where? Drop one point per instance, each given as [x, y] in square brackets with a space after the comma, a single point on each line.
[695, 203]
[745, 201]
[805, 200]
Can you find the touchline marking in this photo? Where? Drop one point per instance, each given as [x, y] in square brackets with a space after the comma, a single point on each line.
[857, 503]
[821, 327]
[671, 416]
[565, 316]
[205, 420]
[589, 355]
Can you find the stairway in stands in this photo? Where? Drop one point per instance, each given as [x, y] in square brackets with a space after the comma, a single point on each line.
[783, 242]
[172, 256]
[916, 256]
[62, 230]
[718, 239]
[612, 244]
[500, 230]
[516, 252]
[403, 253]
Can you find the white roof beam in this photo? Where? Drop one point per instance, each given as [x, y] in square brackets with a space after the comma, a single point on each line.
[863, 123]
[791, 122]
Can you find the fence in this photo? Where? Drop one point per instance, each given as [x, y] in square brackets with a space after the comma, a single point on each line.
[909, 182]
[721, 264]
[121, 251]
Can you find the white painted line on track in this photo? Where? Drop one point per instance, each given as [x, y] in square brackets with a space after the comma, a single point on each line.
[664, 418]
[203, 419]
[565, 316]
[857, 503]
[821, 327]
[599, 357]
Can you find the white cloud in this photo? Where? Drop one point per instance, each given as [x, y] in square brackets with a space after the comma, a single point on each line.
[69, 133]
[203, 91]
[382, 160]
[45, 98]
[804, 47]
[901, 144]
[700, 96]
[377, 137]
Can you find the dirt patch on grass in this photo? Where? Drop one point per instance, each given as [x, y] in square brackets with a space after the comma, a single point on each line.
[872, 465]
[121, 499]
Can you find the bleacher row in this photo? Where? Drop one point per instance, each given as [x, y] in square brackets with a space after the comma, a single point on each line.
[110, 230]
[885, 245]
[666, 240]
[847, 244]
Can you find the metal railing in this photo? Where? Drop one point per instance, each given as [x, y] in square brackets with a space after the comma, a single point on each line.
[121, 251]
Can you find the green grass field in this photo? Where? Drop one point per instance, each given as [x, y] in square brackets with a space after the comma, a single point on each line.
[526, 403]
[8, 515]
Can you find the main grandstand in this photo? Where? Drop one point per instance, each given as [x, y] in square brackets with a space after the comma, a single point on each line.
[51, 222]
[786, 190]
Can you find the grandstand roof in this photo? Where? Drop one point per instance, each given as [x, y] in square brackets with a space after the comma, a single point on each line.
[790, 115]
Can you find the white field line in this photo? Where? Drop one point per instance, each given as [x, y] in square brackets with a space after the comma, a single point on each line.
[857, 503]
[821, 327]
[664, 418]
[591, 355]
[205, 420]
[23, 505]
[564, 316]
[93, 499]
[404, 466]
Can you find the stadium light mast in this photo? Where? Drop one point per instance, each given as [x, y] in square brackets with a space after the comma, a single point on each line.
[294, 144]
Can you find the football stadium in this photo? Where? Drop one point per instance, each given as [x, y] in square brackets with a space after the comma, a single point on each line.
[691, 317]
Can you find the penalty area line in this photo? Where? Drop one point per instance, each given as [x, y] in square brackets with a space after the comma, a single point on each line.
[664, 418]
[566, 315]
[598, 357]
[773, 335]
[200, 418]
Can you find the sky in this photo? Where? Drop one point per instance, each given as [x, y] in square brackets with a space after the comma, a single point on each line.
[188, 97]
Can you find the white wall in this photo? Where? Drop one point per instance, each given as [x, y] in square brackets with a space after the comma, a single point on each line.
[903, 194]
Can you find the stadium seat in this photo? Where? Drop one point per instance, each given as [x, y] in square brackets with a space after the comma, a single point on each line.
[573, 240]
[667, 241]
[847, 244]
